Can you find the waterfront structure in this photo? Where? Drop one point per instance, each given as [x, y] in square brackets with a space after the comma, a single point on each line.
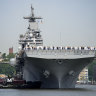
[54, 67]
[1, 57]
[83, 76]
[3, 79]
[3, 76]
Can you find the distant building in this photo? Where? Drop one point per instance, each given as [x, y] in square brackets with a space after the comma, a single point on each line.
[10, 50]
[83, 76]
[1, 57]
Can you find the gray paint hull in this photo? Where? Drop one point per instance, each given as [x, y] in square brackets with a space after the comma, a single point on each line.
[54, 73]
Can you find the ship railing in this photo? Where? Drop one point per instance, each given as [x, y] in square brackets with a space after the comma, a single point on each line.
[62, 50]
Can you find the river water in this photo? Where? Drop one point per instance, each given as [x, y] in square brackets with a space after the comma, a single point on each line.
[80, 90]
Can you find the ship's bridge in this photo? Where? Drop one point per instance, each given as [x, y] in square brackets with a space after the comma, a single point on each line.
[32, 37]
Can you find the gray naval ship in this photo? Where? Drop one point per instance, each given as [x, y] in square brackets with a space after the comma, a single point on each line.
[54, 67]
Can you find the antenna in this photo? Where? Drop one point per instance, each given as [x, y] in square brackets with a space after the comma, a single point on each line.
[60, 38]
[32, 11]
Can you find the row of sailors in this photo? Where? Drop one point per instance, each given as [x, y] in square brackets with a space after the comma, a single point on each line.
[60, 48]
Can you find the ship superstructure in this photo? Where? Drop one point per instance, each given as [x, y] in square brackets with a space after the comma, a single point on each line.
[54, 67]
[32, 37]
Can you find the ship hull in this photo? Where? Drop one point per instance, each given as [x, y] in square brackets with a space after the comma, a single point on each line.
[54, 73]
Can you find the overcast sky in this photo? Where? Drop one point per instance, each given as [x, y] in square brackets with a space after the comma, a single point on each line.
[65, 22]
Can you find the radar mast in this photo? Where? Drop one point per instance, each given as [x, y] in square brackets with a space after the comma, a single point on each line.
[32, 18]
